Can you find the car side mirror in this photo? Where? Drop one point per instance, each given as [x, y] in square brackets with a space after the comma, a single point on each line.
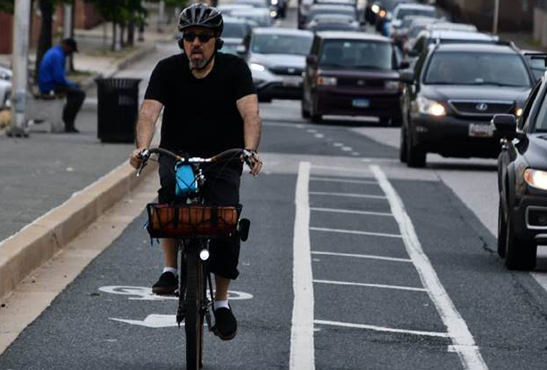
[407, 76]
[241, 49]
[506, 125]
[311, 59]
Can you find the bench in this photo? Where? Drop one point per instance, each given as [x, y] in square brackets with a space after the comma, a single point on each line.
[48, 108]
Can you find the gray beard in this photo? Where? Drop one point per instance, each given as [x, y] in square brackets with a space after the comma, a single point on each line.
[197, 64]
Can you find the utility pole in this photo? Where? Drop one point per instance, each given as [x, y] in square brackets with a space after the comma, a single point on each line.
[20, 68]
[496, 17]
[67, 29]
[161, 15]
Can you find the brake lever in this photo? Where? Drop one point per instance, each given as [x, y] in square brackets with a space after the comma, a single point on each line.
[143, 155]
[247, 158]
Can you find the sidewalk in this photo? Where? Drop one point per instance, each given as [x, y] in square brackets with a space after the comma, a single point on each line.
[45, 171]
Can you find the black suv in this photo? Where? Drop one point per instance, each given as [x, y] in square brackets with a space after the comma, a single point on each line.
[453, 93]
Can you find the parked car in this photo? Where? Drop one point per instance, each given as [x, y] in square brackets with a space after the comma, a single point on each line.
[327, 9]
[333, 22]
[522, 181]
[261, 16]
[352, 74]
[417, 25]
[453, 94]
[400, 35]
[537, 62]
[404, 10]
[5, 87]
[276, 57]
[227, 9]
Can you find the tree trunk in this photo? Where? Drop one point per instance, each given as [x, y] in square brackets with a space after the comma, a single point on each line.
[45, 41]
[114, 39]
[122, 34]
[131, 34]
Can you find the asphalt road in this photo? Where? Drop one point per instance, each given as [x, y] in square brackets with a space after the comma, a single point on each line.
[400, 273]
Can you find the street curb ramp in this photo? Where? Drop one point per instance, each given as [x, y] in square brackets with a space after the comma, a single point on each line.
[41, 240]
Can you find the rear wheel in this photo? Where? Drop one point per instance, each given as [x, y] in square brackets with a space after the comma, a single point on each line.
[519, 254]
[194, 312]
[402, 147]
[315, 117]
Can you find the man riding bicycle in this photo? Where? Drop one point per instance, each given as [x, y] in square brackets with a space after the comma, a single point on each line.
[210, 106]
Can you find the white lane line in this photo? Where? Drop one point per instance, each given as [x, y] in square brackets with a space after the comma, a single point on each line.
[319, 136]
[352, 195]
[334, 168]
[367, 256]
[311, 131]
[347, 148]
[338, 145]
[302, 356]
[369, 233]
[368, 213]
[383, 286]
[380, 328]
[368, 182]
[463, 342]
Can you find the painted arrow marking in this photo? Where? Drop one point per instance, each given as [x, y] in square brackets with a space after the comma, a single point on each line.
[152, 321]
[145, 294]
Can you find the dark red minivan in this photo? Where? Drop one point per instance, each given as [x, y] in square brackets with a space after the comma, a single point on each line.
[352, 74]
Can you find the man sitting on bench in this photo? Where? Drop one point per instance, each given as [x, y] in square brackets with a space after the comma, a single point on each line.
[52, 78]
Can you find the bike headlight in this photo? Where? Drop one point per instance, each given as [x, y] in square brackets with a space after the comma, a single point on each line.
[375, 8]
[204, 255]
[536, 178]
[430, 107]
[326, 81]
[392, 85]
[257, 67]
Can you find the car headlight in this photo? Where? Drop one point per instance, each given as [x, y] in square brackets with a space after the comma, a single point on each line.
[536, 178]
[430, 107]
[375, 8]
[275, 2]
[392, 85]
[326, 81]
[518, 112]
[257, 67]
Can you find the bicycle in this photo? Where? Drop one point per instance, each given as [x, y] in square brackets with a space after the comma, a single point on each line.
[193, 224]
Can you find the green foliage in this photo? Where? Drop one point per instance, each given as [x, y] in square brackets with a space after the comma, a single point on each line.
[121, 11]
[7, 6]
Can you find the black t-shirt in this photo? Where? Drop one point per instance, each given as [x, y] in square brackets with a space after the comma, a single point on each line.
[201, 116]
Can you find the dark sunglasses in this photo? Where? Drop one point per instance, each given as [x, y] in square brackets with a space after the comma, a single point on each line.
[202, 38]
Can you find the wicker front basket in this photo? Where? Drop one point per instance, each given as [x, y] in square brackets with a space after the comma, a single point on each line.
[177, 221]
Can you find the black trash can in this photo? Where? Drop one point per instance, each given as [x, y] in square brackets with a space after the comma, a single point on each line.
[118, 100]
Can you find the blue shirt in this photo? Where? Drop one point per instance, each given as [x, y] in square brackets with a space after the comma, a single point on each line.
[52, 70]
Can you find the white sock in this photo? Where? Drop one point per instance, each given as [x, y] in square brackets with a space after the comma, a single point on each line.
[220, 304]
[172, 270]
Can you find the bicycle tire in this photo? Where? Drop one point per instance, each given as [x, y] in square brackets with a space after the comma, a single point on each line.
[194, 308]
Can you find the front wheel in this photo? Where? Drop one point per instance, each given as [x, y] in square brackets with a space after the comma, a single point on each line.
[305, 113]
[403, 147]
[519, 254]
[502, 230]
[415, 156]
[194, 309]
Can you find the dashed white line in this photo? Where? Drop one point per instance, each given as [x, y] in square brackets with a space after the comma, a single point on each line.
[463, 342]
[368, 233]
[348, 181]
[337, 144]
[380, 328]
[333, 168]
[367, 256]
[311, 131]
[319, 136]
[351, 195]
[366, 213]
[383, 286]
[302, 355]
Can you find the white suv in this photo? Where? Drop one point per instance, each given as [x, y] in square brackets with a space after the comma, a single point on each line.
[5, 87]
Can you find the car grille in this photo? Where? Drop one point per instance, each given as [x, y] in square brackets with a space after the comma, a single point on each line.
[481, 108]
[360, 82]
[286, 71]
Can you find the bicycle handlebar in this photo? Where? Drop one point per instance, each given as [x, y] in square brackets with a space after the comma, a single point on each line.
[225, 155]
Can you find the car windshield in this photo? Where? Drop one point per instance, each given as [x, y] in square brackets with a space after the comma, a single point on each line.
[357, 54]
[477, 68]
[281, 44]
[335, 18]
[403, 13]
[234, 30]
[334, 10]
[229, 48]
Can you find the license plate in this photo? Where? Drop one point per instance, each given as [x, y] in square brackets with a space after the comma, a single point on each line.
[476, 130]
[292, 81]
[361, 103]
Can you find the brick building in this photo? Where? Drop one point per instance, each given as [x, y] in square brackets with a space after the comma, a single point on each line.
[85, 17]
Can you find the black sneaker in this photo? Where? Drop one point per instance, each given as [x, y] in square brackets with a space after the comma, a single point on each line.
[166, 285]
[225, 323]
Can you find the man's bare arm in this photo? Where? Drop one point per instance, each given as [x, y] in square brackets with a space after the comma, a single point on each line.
[144, 130]
[252, 127]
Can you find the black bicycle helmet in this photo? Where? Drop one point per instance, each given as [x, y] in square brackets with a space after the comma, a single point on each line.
[201, 15]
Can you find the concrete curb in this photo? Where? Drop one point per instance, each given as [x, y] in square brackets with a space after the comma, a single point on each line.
[41, 240]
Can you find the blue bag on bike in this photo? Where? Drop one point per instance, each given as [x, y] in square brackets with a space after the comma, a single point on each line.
[186, 184]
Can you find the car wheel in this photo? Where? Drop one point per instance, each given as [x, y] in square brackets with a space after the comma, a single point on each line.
[519, 254]
[502, 230]
[415, 156]
[315, 118]
[305, 113]
[402, 147]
